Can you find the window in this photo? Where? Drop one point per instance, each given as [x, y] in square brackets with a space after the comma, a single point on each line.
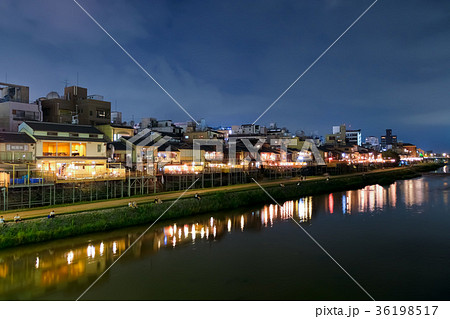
[63, 149]
[101, 114]
[90, 113]
[93, 135]
[49, 149]
[99, 148]
[17, 147]
[52, 133]
[73, 134]
[78, 149]
[25, 115]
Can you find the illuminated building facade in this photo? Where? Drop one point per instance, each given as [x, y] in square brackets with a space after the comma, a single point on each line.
[68, 151]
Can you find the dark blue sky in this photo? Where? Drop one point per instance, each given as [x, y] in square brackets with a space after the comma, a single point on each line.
[226, 61]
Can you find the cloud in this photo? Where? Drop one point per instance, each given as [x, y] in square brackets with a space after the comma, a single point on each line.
[227, 61]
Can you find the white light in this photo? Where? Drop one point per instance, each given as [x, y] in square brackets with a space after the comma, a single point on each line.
[102, 247]
[229, 225]
[70, 257]
[91, 251]
[37, 263]
[114, 248]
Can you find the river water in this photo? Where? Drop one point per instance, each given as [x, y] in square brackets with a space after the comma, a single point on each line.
[394, 240]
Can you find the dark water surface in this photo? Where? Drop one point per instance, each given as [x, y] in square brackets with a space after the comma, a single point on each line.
[394, 240]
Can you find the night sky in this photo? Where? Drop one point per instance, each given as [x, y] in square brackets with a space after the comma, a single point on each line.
[227, 61]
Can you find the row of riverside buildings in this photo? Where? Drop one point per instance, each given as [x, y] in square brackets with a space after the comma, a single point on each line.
[76, 137]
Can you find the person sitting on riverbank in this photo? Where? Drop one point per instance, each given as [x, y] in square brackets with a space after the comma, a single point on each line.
[157, 201]
[17, 218]
[130, 204]
[197, 196]
[134, 205]
[282, 185]
[52, 214]
[2, 221]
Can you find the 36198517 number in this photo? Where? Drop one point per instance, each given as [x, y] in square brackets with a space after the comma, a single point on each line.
[406, 310]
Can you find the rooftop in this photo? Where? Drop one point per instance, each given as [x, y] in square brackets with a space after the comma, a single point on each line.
[62, 127]
[9, 137]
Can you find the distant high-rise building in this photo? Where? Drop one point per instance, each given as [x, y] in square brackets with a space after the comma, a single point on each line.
[388, 140]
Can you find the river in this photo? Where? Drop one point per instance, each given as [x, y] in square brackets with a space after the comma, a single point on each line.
[394, 240]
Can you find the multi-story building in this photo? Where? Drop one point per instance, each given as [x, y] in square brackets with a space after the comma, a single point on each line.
[248, 129]
[338, 137]
[353, 137]
[14, 107]
[76, 107]
[372, 142]
[116, 117]
[388, 140]
[68, 151]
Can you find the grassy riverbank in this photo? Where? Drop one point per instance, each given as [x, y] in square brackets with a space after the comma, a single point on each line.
[43, 229]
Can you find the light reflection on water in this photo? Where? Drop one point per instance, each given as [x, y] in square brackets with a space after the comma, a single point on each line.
[29, 272]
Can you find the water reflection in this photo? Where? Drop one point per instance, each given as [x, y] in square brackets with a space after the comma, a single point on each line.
[29, 272]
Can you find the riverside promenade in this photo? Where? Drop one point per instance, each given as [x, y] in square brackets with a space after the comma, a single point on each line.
[112, 203]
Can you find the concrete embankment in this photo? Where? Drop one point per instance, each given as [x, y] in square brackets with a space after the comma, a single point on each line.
[43, 229]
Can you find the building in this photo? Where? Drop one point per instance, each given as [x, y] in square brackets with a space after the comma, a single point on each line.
[68, 151]
[372, 142]
[248, 129]
[16, 148]
[161, 126]
[203, 135]
[76, 107]
[388, 140]
[14, 92]
[14, 107]
[338, 137]
[409, 149]
[116, 117]
[113, 132]
[353, 137]
[187, 127]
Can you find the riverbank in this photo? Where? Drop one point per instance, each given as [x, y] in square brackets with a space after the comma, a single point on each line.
[73, 224]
